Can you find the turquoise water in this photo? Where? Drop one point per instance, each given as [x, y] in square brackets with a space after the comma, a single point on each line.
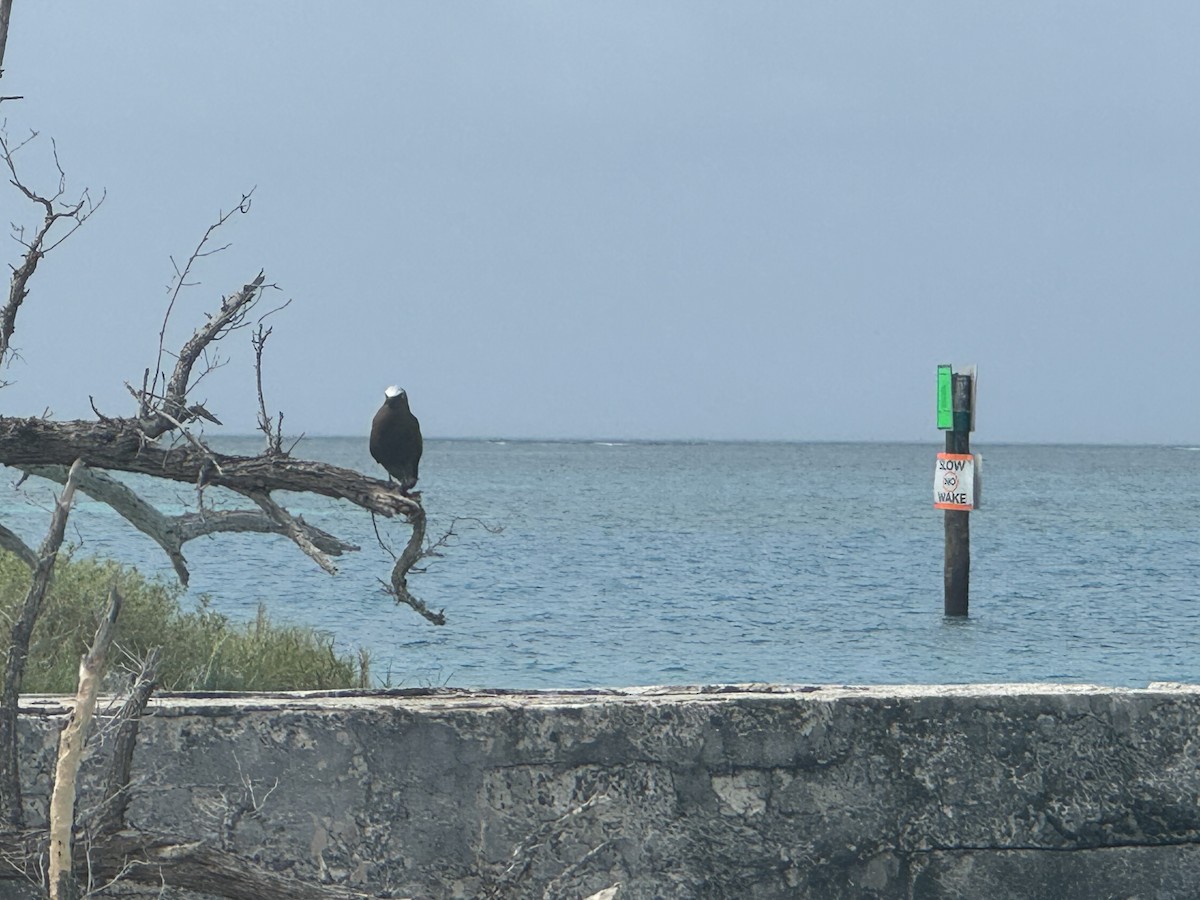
[640, 563]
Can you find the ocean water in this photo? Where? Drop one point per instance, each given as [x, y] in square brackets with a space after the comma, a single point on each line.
[682, 563]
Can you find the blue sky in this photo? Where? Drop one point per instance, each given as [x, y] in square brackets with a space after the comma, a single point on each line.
[632, 220]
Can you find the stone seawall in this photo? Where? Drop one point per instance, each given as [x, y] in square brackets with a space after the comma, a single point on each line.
[759, 791]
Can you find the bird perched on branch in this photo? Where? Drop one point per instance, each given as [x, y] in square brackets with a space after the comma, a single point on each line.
[396, 438]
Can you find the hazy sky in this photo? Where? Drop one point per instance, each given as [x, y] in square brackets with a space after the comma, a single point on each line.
[631, 219]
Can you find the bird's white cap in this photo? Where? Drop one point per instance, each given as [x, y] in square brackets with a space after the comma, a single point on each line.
[393, 391]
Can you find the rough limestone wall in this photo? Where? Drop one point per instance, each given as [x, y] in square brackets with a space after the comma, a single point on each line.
[748, 792]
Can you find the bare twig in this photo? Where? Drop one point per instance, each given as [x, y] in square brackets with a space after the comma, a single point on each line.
[413, 551]
[180, 281]
[274, 434]
[111, 818]
[434, 548]
[173, 408]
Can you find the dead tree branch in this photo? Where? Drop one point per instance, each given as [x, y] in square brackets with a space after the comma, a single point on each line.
[11, 814]
[181, 281]
[70, 753]
[111, 816]
[45, 237]
[118, 445]
[5, 15]
[273, 432]
[172, 532]
[13, 544]
[161, 414]
[414, 550]
[293, 529]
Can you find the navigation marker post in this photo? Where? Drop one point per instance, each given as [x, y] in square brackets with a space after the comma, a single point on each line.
[955, 486]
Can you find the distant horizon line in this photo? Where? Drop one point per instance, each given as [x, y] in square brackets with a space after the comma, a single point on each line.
[700, 440]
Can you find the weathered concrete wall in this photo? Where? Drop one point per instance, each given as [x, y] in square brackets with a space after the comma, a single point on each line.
[746, 792]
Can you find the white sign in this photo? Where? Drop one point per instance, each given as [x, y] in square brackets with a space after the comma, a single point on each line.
[954, 481]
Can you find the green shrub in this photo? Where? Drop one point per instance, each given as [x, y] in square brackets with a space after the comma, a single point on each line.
[201, 650]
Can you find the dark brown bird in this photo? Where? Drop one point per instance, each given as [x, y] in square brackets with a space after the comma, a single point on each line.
[396, 438]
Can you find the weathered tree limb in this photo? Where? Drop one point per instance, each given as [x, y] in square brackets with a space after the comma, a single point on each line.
[13, 544]
[193, 525]
[172, 532]
[292, 528]
[42, 241]
[272, 431]
[118, 445]
[231, 315]
[70, 753]
[414, 550]
[5, 15]
[11, 813]
[141, 515]
[151, 385]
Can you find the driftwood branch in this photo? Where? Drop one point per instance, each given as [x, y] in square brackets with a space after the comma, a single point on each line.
[11, 813]
[141, 515]
[70, 753]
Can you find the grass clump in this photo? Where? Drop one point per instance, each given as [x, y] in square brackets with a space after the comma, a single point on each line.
[201, 650]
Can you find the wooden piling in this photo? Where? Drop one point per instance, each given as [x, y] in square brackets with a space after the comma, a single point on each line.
[957, 572]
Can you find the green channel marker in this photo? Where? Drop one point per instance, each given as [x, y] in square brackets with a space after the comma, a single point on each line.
[945, 398]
